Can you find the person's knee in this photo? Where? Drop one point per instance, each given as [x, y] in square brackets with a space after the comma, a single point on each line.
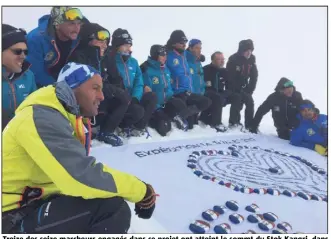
[163, 126]
[204, 103]
[138, 111]
[150, 97]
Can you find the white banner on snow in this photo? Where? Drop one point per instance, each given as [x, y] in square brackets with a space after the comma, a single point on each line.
[184, 195]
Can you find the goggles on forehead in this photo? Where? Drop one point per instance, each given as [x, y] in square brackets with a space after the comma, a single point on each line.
[288, 84]
[124, 35]
[162, 51]
[73, 14]
[101, 35]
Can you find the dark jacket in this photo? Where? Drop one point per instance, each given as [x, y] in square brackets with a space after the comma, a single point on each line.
[215, 78]
[242, 72]
[284, 109]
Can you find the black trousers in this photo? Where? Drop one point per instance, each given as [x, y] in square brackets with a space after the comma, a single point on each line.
[111, 114]
[283, 133]
[213, 115]
[247, 100]
[75, 215]
[139, 114]
[201, 102]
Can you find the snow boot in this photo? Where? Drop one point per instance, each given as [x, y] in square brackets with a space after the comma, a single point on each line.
[239, 126]
[181, 123]
[220, 128]
[110, 138]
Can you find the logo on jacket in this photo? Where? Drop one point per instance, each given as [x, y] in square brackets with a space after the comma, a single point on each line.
[310, 132]
[276, 108]
[155, 80]
[49, 56]
[208, 83]
[238, 68]
[191, 71]
[21, 86]
[175, 62]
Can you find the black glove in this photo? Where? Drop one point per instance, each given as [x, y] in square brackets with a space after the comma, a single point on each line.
[122, 95]
[134, 100]
[145, 208]
[202, 58]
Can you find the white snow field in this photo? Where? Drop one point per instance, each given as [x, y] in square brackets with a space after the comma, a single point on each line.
[289, 42]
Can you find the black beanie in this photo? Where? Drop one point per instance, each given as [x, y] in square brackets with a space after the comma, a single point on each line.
[245, 45]
[177, 36]
[11, 36]
[88, 29]
[121, 37]
[156, 51]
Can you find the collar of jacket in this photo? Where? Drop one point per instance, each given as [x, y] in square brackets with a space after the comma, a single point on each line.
[190, 57]
[153, 63]
[25, 66]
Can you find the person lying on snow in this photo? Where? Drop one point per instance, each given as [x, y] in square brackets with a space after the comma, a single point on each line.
[157, 78]
[92, 51]
[181, 75]
[284, 104]
[124, 70]
[17, 80]
[212, 115]
[312, 133]
[50, 183]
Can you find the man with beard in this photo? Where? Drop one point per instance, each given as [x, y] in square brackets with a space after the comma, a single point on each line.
[181, 77]
[17, 80]
[52, 43]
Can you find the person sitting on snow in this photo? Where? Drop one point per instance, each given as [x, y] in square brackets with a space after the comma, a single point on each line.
[125, 72]
[50, 183]
[181, 75]
[312, 133]
[284, 104]
[17, 80]
[94, 41]
[212, 115]
[157, 77]
[52, 43]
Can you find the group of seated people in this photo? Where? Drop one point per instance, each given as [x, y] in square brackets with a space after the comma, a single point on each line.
[170, 86]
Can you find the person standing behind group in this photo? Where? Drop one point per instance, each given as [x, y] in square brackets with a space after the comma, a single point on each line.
[92, 50]
[212, 115]
[17, 80]
[242, 79]
[181, 76]
[52, 43]
[124, 71]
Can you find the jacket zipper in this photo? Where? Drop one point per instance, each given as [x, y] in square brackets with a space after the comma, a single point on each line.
[126, 71]
[165, 85]
[186, 73]
[286, 110]
[58, 54]
[12, 88]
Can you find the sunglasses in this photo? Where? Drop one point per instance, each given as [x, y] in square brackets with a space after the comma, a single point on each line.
[73, 14]
[288, 84]
[19, 52]
[101, 35]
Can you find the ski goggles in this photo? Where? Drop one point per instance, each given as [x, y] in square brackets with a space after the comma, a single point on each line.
[101, 35]
[73, 14]
[162, 51]
[288, 84]
[306, 106]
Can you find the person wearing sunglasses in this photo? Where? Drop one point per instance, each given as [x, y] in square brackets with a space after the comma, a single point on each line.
[51, 184]
[242, 79]
[212, 115]
[181, 76]
[94, 42]
[312, 132]
[284, 104]
[17, 80]
[157, 77]
[125, 72]
[52, 42]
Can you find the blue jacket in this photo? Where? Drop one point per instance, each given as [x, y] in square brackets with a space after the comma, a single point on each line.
[158, 79]
[131, 75]
[311, 132]
[43, 52]
[16, 89]
[196, 71]
[180, 73]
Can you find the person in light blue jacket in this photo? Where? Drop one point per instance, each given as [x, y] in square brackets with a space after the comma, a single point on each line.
[17, 80]
[312, 132]
[212, 116]
[157, 78]
[181, 75]
[52, 42]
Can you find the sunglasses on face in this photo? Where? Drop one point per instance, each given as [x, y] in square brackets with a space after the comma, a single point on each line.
[101, 35]
[19, 52]
[73, 14]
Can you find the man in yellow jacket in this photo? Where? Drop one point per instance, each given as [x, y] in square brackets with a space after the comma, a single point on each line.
[50, 184]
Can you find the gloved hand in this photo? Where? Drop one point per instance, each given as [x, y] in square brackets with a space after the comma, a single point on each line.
[321, 150]
[202, 58]
[122, 95]
[145, 208]
[134, 100]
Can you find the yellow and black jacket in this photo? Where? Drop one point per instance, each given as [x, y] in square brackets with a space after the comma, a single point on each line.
[45, 152]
